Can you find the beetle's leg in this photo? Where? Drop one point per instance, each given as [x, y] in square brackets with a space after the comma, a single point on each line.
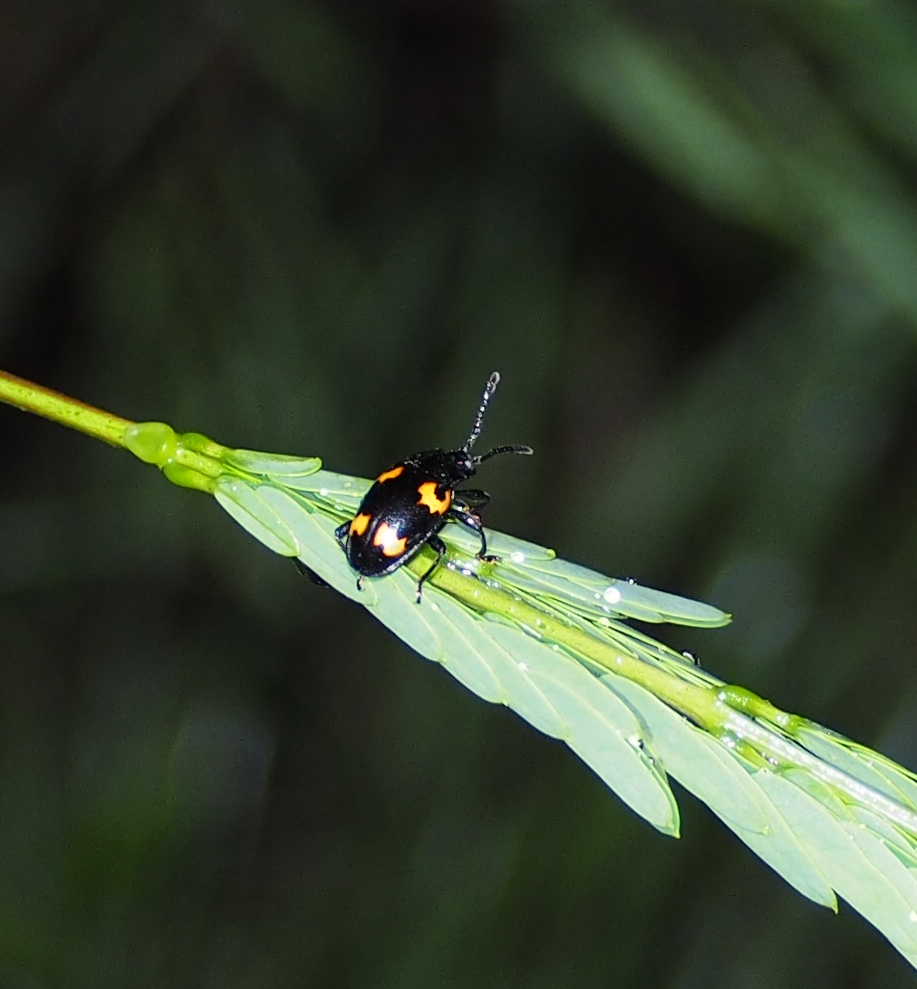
[438, 547]
[309, 572]
[473, 521]
[342, 535]
[471, 499]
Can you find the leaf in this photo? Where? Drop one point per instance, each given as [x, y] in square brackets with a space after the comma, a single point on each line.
[496, 661]
[870, 767]
[600, 728]
[855, 862]
[530, 567]
[246, 504]
[713, 774]
[831, 816]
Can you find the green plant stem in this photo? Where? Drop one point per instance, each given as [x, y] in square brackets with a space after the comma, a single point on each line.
[67, 411]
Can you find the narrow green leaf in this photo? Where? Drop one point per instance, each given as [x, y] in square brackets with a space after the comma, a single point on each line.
[700, 763]
[246, 504]
[897, 843]
[537, 570]
[600, 728]
[713, 774]
[863, 764]
[855, 862]
[313, 537]
[280, 466]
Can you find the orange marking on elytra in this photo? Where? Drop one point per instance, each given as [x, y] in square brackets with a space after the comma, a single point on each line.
[390, 475]
[359, 524]
[386, 538]
[431, 500]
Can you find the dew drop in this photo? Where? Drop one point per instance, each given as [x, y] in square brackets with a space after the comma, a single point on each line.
[523, 665]
[612, 595]
[517, 556]
[729, 740]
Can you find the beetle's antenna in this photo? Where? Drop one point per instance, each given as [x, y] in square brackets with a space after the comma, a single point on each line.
[489, 389]
[512, 448]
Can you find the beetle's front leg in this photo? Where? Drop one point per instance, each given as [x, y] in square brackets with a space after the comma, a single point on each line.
[460, 513]
[472, 499]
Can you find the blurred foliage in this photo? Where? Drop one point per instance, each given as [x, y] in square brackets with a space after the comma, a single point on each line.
[686, 236]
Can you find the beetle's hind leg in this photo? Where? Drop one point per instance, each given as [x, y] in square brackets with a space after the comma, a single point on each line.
[438, 547]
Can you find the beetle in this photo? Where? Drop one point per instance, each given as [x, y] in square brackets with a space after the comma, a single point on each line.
[409, 504]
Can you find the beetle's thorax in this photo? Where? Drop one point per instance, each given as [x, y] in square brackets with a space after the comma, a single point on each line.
[448, 467]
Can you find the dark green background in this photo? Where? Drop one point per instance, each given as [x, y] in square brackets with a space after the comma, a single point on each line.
[684, 233]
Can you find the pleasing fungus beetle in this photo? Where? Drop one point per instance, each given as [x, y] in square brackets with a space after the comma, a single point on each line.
[410, 502]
